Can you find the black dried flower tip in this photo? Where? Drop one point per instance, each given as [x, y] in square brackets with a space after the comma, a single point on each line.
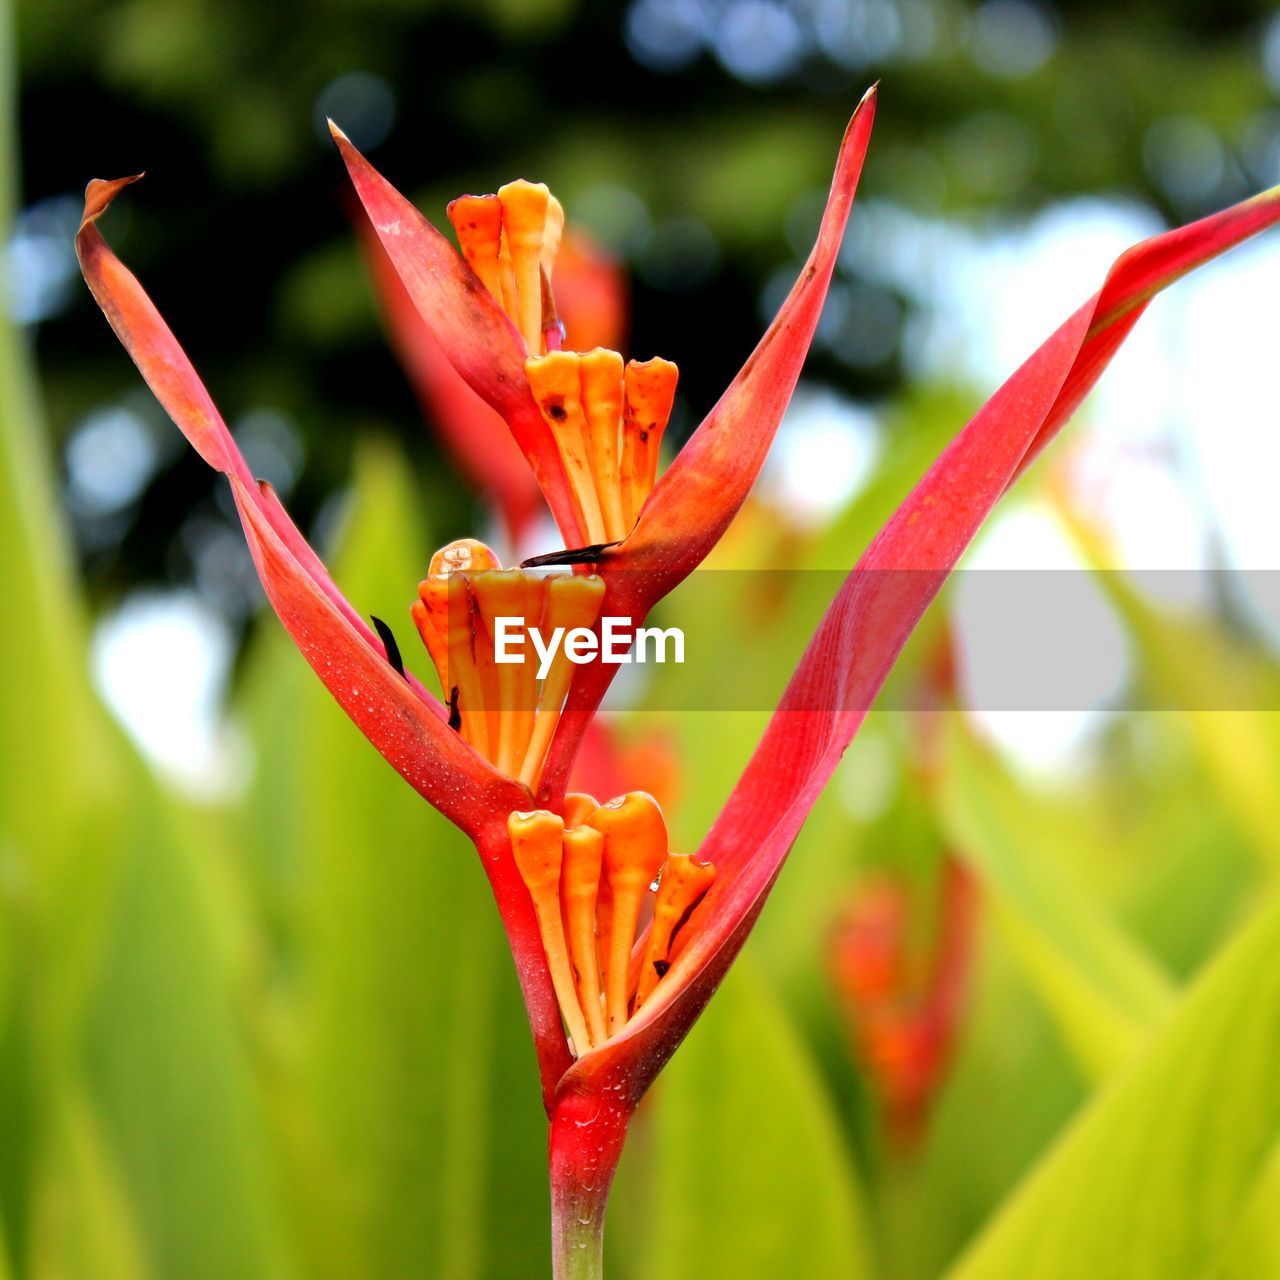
[388, 643]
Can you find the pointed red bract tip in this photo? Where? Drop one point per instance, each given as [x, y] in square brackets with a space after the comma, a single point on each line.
[703, 489]
[148, 340]
[99, 194]
[472, 329]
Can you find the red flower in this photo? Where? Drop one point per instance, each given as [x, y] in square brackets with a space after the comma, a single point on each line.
[904, 1017]
[595, 474]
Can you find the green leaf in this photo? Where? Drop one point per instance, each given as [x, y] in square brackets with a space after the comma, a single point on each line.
[1214, 682]
[85, 1226]
[1150, 1181]
[64, 795]
[1103, 990]
[50, 722]
[1253, 1252]
[737, 1167]
[167, 1073]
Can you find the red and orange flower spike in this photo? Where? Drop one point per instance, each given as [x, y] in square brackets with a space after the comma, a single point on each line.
[606, 420]
[589, 302]
[903, 1005]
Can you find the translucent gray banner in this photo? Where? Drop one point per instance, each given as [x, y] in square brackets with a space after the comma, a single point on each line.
[729, 640]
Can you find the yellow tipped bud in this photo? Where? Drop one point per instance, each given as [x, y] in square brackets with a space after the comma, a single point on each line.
[601, 374]
[537, 844]
[635, 848]
[684, 882]
[556, 383]
[551, 236]
[524, 212]
[500, 593]
[510, 240]
[650, 389]
[442, 615]
[463, 555]
[579, 887]
[571, 601]
[524, 219]
[536, 837]
[477, 220]
[574, 601]
[505, 593]
[635, 836]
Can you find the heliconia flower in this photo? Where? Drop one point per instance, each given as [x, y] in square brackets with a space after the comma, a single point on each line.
[590, 298]
[903, 999]
[602, 1034]
[903, 1009]
[507, 711]
[659, 537]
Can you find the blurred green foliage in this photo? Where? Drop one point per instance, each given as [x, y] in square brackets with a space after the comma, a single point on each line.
[279, 1036]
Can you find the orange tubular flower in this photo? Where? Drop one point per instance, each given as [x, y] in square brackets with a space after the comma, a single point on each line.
[590, 301]
[602, 1036]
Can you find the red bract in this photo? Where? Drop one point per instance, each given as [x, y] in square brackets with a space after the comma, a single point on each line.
[871, 618]
[652, 992]
[406, 723]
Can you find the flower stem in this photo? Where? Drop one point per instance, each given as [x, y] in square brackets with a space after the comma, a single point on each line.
[577, 1238]
[587, 1134]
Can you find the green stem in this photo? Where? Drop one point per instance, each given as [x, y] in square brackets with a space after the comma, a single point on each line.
[577, 1236]
[587, 1133]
